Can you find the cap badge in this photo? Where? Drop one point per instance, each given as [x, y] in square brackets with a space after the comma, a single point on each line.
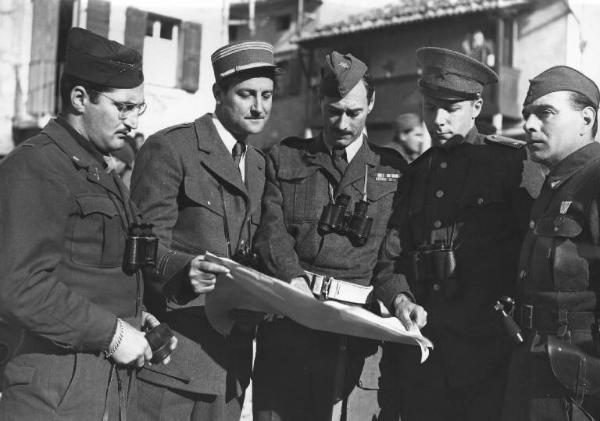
[343, 64]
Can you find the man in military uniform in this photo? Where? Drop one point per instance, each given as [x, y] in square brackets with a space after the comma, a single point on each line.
[300, 373]
[555, 374]
[201, 184]
[63, 226]
[454, 236]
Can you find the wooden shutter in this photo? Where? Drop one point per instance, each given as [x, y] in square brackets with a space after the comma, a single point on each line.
[98, 17]
[188, 71]
[41, 98]
[135, 28]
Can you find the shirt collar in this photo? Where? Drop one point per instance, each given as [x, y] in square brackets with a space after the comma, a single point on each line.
[572, 163]
[224, 134]
[470, 138]
[353, 148]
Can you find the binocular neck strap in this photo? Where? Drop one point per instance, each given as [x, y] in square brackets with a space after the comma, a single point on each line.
[247, 224]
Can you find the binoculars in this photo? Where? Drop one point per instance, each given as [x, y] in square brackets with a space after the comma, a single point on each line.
[435, 264]
[245, 256]
[357, 226]
[140, 247]
[159, 339]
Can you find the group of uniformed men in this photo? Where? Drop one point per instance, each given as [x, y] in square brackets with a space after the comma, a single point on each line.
[436, 243]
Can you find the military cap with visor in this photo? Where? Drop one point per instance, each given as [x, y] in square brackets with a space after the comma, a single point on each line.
[98, 60]
[562, 78]
[450, 75]
[340, 74]
[238, 57]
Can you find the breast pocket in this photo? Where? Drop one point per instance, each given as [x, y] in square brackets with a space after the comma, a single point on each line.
[381, 201]
[569, 269]
[98, 233]
[305, 192]
[485, 215]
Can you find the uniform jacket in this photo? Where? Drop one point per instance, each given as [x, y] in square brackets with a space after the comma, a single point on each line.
[63, 225]
[301, 180]
[559, 274]
[474, 195]
[186, 183]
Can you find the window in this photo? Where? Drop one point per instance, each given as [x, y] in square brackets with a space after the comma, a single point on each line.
[283, 23]
[171, 48]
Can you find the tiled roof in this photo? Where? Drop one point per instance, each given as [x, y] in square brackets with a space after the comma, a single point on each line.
[405, 11]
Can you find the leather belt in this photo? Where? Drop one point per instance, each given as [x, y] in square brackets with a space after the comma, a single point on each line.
[329, 288]
[552, 320]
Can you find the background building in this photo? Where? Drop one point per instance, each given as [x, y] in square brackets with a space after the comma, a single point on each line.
[176, 39]
[517, 38]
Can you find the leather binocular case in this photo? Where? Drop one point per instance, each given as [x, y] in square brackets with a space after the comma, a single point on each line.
[434, 266]
[141, 248]
[356, 226]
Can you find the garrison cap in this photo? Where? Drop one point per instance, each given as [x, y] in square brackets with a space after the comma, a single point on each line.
[240, 56]
[562, 78]
[452, 76]
[93, 58]
[340, 74]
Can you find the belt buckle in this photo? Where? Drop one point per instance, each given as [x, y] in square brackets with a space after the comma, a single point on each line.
[527, 316]
[325, 288]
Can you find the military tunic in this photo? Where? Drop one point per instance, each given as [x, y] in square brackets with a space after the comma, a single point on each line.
[63, 225]
[294, 366]
[186, 183]
[559, 282]
[470, 195]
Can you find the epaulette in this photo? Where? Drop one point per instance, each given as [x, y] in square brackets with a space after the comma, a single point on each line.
[36, 141]
[506, 141]
[288, 141]
[176, 127]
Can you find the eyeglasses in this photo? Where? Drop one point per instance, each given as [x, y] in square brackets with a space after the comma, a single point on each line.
[126, 108]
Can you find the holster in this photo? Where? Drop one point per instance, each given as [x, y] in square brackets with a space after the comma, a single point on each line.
[574, 369]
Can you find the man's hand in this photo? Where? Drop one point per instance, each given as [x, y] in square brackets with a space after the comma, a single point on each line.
[301, 285]
[408, 312]
[133, 347]
[203, 274]
[149, 322]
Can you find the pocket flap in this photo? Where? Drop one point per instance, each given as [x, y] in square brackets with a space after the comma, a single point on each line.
[15, 374]
[559, 226]
[378, 189]
[96, 204]
[481, 199]
[203, 195]
[295, 173]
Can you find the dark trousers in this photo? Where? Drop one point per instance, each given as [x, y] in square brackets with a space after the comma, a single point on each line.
[295, 372]
[66, 386]
[156, 403]
[421, 392]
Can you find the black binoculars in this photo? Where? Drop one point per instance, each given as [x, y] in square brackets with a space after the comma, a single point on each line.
[159, 339]
[245, 256]
[140, 247]
[435, 265]
[357, 226]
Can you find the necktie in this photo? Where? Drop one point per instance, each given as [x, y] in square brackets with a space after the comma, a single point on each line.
[340, 160]
[238, 150]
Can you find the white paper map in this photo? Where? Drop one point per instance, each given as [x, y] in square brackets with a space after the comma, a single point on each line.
[246, 288]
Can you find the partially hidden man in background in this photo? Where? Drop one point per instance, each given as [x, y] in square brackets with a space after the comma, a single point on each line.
[555, 373]
[455, 235]
[201, 185]
[320, 195]
[64, 218]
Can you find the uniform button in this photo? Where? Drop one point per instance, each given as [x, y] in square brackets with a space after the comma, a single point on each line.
[436, 287]
[532, 224]
[556, 229]
[439, 194]
[241, 241]
[437, 224]
[480, 201]
[208, 203]
[522, 274]
[443, 165]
